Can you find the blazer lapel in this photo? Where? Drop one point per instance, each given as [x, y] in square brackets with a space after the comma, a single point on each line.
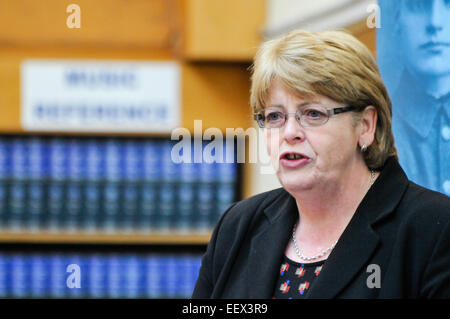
[352, 251]
[359, 240]
[268, 246]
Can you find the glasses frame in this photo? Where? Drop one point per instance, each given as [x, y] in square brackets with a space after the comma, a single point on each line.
[259, 118]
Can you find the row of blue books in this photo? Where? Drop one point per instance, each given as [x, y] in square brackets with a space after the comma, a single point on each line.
[108, 184]
[113, 159]
[111, 206]
[97, 275]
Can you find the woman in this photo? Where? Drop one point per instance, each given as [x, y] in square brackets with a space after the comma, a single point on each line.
[347, 223]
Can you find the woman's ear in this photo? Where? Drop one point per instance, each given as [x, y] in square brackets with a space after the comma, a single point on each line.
[368, 124]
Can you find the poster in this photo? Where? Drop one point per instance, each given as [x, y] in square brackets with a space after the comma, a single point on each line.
[413, 52]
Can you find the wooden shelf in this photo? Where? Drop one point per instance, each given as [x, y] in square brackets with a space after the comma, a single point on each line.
[164, 238]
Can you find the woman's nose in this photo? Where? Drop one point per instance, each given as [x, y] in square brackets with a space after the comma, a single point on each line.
[293, 131]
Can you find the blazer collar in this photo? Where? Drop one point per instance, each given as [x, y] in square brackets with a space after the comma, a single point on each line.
[353, 250]
[268, 246]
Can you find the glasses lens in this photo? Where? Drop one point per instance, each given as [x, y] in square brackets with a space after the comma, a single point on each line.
[274, 118]
[313, 116]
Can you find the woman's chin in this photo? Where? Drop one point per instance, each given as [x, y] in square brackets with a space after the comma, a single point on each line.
[296, 185]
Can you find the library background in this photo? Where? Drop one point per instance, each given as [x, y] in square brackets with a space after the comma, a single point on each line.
[91, 203]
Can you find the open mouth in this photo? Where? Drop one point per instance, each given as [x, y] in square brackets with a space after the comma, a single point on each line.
[293, 156]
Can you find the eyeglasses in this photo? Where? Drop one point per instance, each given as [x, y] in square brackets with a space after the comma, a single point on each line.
[306, 117]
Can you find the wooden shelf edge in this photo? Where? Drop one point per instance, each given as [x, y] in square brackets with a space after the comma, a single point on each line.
[170, 237]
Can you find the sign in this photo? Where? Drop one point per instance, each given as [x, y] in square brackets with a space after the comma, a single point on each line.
[100, 96]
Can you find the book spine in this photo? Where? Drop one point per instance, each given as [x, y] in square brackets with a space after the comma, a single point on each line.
[96, 276]
[4, 176]
[58, 276]
[131, 203]
[18, 186]
[39, 277]
[111, 188]
[20, 276]
[151, 168]
[58, 162]
[205, 195]
[95, 161]
[36, 172]
[167, 190]
[74, 189]
[4, 275]
[154, 276]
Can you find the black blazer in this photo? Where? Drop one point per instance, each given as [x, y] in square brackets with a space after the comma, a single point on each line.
[399, 226]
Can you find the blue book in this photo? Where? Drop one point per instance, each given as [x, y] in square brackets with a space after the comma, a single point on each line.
[3, 204]
[18, 198]
[4, 275]
[169, 272]
[92, 191]
[96, 276]
[114, 273]
[76, 269]
[129, 208]
[112, 185]
[20, 276]
[56, 205]
[74, 192]
[111, 195]
[92, 206]
[170, 173]
[5, 158]
[39, 276]
[186, 197]
[149, 186]
[58, 276]
[17, 208]
[37, 208]
[132, 284]
[154, 274]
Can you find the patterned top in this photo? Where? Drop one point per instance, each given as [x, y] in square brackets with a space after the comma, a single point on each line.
[295, 279]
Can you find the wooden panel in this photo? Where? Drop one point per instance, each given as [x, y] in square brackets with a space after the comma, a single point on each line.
[216, 94]
[365, 35]
[104, 23]
[223, 30]
[10, 95]
[77, 238]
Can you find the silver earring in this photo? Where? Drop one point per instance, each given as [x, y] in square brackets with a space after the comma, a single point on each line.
[363, 148]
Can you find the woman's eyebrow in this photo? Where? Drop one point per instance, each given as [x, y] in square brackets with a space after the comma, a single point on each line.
[306, 103]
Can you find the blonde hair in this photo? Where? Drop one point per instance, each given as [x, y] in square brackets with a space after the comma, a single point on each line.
[333, 64]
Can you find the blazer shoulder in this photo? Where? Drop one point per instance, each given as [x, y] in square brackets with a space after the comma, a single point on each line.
[240, 217]
[424, 207]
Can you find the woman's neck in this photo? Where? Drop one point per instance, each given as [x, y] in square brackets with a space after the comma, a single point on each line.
[324, 213]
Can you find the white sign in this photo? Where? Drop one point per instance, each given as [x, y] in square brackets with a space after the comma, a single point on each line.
[100, 96]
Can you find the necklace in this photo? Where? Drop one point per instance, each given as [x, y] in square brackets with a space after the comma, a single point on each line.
[301, 256]
[326, 251]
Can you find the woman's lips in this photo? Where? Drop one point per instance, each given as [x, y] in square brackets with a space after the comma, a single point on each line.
[294, 163]
[287, 159]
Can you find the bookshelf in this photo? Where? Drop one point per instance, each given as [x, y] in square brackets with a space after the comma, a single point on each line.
[213, 42]
[213, 85]
[155, 238]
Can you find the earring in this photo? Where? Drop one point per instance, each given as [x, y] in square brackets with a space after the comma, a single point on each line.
[363, 148]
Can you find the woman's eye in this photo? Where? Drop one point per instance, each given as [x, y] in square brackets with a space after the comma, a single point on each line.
[273, 116]
[314, 114]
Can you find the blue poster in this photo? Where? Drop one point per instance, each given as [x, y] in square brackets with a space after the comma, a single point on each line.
[413, 44]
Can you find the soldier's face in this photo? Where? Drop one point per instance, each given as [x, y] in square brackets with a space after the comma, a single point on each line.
[425, 36]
